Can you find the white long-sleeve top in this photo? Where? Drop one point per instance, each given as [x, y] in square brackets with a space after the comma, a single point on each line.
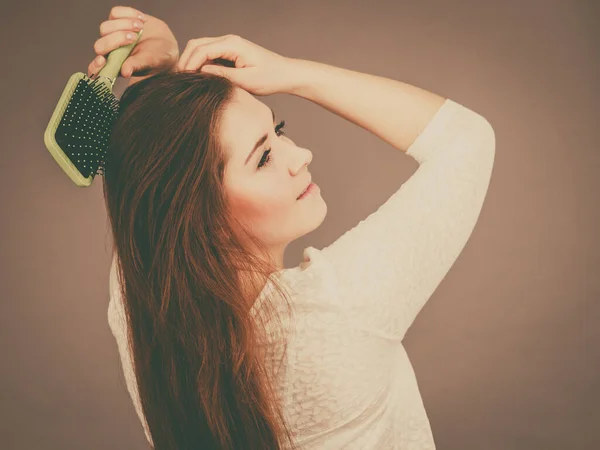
[347, 381]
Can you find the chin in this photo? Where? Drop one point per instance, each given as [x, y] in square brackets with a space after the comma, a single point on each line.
[320, 212]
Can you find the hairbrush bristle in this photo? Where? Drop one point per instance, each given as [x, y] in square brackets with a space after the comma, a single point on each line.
[86, 125]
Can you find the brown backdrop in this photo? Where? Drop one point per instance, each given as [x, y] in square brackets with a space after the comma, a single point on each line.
[506, 351]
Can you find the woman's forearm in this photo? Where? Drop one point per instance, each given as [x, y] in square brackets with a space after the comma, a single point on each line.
[393, 111]
[133, 80]
[171, 68]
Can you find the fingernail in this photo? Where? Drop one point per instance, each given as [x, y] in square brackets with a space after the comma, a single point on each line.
[141, 17]
[130, 36]
[137, 25]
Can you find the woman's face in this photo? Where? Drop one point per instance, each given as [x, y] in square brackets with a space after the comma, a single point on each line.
[264, 186]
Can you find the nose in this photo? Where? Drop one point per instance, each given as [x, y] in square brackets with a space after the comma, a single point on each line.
[305, 159]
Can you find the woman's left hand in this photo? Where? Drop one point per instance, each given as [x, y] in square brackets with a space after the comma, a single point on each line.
[248, 65]
[156, 50]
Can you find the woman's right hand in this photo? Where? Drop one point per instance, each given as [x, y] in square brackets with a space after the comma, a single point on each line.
[256, 69]
[156, 50]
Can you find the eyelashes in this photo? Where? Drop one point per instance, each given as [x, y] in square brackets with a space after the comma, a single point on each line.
[266, 157]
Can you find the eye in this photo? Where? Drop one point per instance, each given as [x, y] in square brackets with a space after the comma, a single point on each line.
[266, 157]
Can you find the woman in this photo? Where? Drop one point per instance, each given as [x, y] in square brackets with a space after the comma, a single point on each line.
[232, 350]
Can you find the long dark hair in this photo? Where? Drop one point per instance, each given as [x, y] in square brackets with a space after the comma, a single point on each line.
[188, 277]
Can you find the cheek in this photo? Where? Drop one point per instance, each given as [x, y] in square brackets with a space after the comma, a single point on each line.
[260, 207]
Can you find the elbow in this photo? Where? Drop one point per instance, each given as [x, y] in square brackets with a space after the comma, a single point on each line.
[489, 135]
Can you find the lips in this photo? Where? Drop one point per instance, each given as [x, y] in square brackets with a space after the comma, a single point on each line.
[299, 195]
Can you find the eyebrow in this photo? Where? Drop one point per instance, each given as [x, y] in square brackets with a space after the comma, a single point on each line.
[260, 142]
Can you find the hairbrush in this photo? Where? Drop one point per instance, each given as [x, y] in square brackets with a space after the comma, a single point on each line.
[79, 129]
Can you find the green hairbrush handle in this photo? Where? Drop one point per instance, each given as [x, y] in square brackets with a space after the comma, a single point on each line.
[115, 61]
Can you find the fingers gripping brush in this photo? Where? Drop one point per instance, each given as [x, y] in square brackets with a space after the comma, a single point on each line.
[79, 129]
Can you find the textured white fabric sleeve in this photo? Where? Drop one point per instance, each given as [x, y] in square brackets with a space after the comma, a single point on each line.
[118, 327]
[391, 262]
